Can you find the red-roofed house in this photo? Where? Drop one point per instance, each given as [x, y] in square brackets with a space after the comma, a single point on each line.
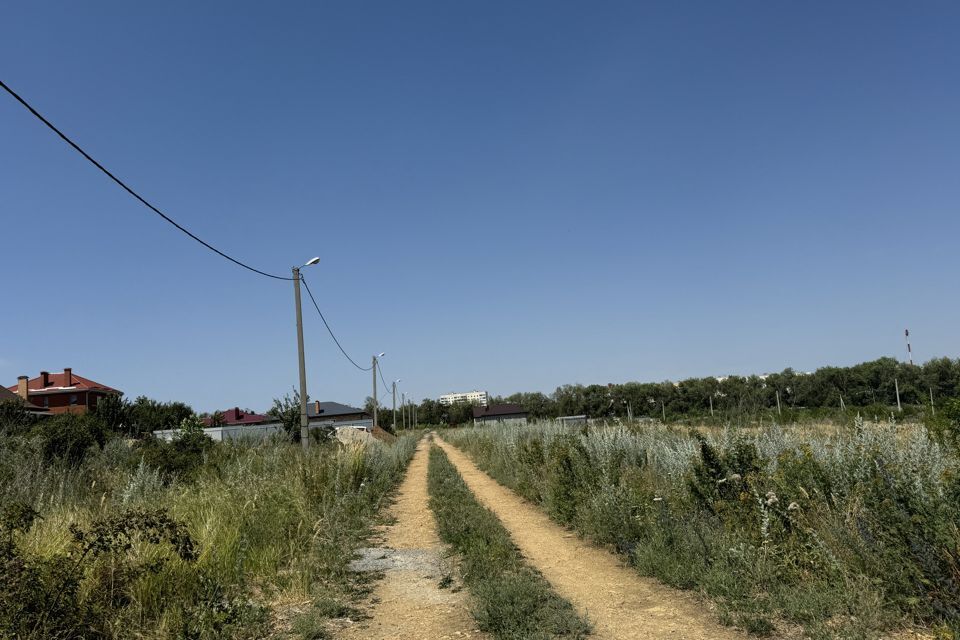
[235, 416]
[62, 392]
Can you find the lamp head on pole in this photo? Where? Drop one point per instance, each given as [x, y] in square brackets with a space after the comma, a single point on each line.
[312, 261]
[380, 355]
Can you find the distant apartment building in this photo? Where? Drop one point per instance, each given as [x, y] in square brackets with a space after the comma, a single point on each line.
[481, 398]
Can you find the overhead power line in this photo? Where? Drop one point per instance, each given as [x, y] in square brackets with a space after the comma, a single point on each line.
[327, 325]
[131, 191]
[386, 387]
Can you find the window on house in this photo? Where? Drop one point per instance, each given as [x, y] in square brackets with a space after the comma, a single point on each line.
[46, 402]
[73, 398]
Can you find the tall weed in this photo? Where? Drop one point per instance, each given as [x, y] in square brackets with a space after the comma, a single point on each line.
[267, 523]
[849, 531]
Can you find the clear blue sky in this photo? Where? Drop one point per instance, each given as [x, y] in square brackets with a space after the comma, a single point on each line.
[505, 195]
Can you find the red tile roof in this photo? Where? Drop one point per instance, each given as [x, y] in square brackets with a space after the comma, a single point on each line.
[236, 416]
[57, 381]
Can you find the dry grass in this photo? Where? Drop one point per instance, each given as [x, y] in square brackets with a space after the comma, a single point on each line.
[845, 531]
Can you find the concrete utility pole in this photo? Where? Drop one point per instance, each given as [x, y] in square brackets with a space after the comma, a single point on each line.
[403, 409]
[376, 405]
[711, 405]
[779, 413]
[933, 409]
[896, 386]
[304, 421]
[394, 425]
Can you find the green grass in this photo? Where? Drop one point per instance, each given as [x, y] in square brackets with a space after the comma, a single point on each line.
[847, 532]
[513, 601]
[273, 526]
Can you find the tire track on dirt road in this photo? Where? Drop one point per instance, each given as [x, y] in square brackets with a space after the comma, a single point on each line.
[619, 602]
[408, 602]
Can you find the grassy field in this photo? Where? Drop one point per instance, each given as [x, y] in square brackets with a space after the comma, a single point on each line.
[839, 532]
[513, 601]
[252, 542]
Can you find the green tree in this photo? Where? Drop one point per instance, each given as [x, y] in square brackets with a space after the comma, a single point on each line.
[114, 411]
[430, 412]
[182, 456]
[286, 411]
[458, 413]
[69, 436]
[148, 415]
[14, 417]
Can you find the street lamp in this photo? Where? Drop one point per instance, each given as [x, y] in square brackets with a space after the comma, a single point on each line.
[376, 358]
[395, 403]
[304, 423]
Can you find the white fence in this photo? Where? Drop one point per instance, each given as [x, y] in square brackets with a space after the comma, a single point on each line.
[233, 432]
[263, 431]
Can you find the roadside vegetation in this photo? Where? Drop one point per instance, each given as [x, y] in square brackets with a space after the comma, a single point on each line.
[513, 601]
[102, 536]
[845, 532]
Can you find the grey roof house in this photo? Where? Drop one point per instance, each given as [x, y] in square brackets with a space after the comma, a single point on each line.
[505, 413]
[341, 415]
[9, 396]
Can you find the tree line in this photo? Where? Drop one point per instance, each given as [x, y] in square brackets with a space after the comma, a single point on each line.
[868, 387]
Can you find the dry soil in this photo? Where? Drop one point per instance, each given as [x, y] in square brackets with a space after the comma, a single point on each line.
[409, 603]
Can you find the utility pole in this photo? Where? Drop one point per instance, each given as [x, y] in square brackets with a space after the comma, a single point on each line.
[711, 405]
[374, 368]
[663, 410]
[896, 386]
[906, 335]
[394, 425]
[303, 367]
[933, 409]
[376, 404]
[779, 413]
[403, 409]
[304, 421]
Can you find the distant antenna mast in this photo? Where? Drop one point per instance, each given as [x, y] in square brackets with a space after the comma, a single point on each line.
[906, 335]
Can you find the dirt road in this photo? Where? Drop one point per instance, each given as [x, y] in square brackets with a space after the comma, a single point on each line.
[409, 603]
[618, 601]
